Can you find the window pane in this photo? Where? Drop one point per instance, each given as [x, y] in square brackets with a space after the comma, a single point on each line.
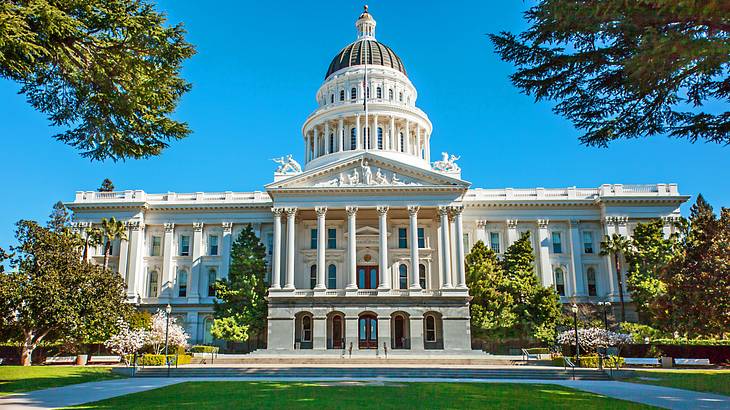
[312, 276]
[211, 282]
[331, 238]
[156, 242]
[184, 245]
[332, 277]
[422, 275]
[588, 242]
[313, 239]
[212, 245]
[182, 284]
[403, 276]
[402, 238]
[557, 244]
[494, 241]
[421, 238]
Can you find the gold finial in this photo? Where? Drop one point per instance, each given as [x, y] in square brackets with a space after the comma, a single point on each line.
[366, 8]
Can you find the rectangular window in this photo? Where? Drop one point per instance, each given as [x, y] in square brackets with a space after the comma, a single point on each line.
[402, 238]
[465, 241]
[313, 239]
[270, 244]
[184, 245]
[557, 244]
[494, 241]
[212, 245]
[587, 242]
[155, 249]
[331, 238]
[421, 238]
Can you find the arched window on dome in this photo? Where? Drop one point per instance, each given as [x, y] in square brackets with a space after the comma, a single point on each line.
[353, 139]
[379, 93]
[390, 94]
[342, 95]
[332, 98]
[332, 143]
[400, 96]
[402, 143]
[380, 138]
[353, 94]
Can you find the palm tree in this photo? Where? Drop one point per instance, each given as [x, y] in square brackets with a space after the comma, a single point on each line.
[94, 237]
[617, 245]
[113, 229]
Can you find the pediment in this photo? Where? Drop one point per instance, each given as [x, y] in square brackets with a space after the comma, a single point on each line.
[368, 171]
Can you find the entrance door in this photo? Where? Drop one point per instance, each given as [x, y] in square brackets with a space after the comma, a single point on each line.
[368, 332]
[367, 277]
[337, 332]
[398, 323]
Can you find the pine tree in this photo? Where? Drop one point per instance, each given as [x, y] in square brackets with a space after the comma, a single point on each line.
[106, 186]
[241, 312]
[59, 217]
[490, 307]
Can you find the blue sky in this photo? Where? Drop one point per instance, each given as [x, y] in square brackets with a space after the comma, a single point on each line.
[254, 79]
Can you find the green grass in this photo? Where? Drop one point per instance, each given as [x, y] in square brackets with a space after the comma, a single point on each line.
[344, 395]
[16, 379]
[712, 381]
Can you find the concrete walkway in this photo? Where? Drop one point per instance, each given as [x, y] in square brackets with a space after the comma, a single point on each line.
[89, 392]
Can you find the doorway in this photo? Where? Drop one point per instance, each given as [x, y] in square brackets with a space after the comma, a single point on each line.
[367, 277]
[368, 331]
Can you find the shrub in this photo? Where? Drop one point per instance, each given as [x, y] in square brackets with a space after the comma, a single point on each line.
[692, 342]
[591, 361]
[159, 359]
[639, 332]
[204, 349]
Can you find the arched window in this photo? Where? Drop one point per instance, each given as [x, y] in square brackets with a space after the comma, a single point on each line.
[332, 98]
[182, 283]
[332, 277]
[390, 94]
[403, 276]
[379, 93]
[353, 94]
[560, 281]
[353, 139]
[380, 138]
[422, 275]
[212, 277]
[332, 143]
[342, 95]
[306, 329]
[152, 286]
[312, 276]
[402, 143]
[591, 276]
[400, 96]
[430, 328]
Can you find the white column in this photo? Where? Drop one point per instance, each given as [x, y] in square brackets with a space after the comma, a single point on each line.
[226, 254]
[358, 142]
[276, 252]
[408, 137]
[197, 269]
[351, 247]
[413, 228]
[374, 133]
[291, 214]
[512, 234]
[576, 260]
[383, 236]
[306, 146]
[428, 147]
[321, 242]
[609, 228]
[326, 137]
[392, 130]
[445, 248]
[123, 255]
[546, 270]
[459, 240]
[136, 250]
[167, 253]
[482, 231]
[419, 142]
[341, 135]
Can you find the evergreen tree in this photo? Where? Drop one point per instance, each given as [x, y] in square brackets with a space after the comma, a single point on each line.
[109, 70]
[106, 186]
[627, 69]
[241, 312]
[59, 218]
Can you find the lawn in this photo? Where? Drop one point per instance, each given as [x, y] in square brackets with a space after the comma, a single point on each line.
[713, 381]
[16, 379]
[343, 395]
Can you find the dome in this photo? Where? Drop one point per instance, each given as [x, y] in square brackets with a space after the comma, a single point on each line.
[377, 54]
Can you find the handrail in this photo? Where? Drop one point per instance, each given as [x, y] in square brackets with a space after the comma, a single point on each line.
[567, 362]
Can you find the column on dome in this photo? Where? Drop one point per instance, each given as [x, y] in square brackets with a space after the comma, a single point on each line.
[358, 143]
[316, 142]
[445, 248]
[291, 214]
[321, 242]
[383, 246]
[197, 269]
[392, 135]
[512, 234]
[459, 242]
[428, 147]
[351, 247]
[167, 253]
[408, 137]
[341, 134]
[419, 142]
[576, 260]
[546, 270]
[413, 231]
[374, 133]
[276, 252]
[226, 254]
[326, 137]
[306, 146]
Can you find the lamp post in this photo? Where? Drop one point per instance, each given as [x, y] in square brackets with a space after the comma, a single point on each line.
[605, 306]
[574, 309]
[168, 310]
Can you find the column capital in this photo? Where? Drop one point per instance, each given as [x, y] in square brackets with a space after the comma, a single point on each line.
[456, 209]
[512, 223]
[351, 210]
[227, 227]
[443, 210]
[543, 223]
[321, 211]
[277, 211]
[382, 210]
[413, 210]
[622, 220]
[169, 227]
[198, 226]
[609, 220]
[135, 225]
[290, 212]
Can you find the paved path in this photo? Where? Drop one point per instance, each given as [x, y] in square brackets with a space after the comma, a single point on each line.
[88, 392]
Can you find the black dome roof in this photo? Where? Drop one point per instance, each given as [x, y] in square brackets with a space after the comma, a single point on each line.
[354, 54]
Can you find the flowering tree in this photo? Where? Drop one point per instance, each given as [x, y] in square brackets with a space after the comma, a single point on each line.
[127, 341]
[593, 337]
[156, 335]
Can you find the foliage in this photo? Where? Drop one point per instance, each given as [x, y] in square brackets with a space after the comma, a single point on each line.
[55, 295]
[93, 236]
[691, 342]
[113, 230]
[159, 359]
[127, 341]
[616, 246]
[140, 319]
[697, 298]
[106, 186]
[155, 337]
[59, 218]
[592, 338]
[204, 349]
[242, 309]
[627, 69]
[107, 69]
[592, 361]
[490, 306]
[640, 332]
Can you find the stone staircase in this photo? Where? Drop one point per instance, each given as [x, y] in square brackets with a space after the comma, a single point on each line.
[339, 373]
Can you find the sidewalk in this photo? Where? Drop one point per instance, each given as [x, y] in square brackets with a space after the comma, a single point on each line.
[89, 392]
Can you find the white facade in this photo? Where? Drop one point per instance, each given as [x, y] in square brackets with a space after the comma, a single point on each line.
[366, 243]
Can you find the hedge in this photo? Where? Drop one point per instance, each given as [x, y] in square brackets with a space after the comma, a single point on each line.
[204, 349]
[159, 359]
[591, 361]
[538, 350]
[691, 342]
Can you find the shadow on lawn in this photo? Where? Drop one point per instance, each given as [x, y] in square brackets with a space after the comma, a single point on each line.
[19, 379]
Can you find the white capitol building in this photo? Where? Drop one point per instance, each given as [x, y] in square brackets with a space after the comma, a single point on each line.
[366, 241]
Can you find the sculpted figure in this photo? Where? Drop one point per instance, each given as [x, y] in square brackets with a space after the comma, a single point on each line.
[380, 178]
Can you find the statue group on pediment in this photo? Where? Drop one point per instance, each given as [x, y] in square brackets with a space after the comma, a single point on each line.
[287, 165]
[447, 163]
[363, 176]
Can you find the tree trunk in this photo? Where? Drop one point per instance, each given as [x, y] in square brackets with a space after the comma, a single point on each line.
[620, 287]
[86, 248]
[27, 350]
[107, 245]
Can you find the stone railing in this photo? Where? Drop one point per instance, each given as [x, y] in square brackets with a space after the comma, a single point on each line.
[141, 196]
[358, 293]
[570, 193]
